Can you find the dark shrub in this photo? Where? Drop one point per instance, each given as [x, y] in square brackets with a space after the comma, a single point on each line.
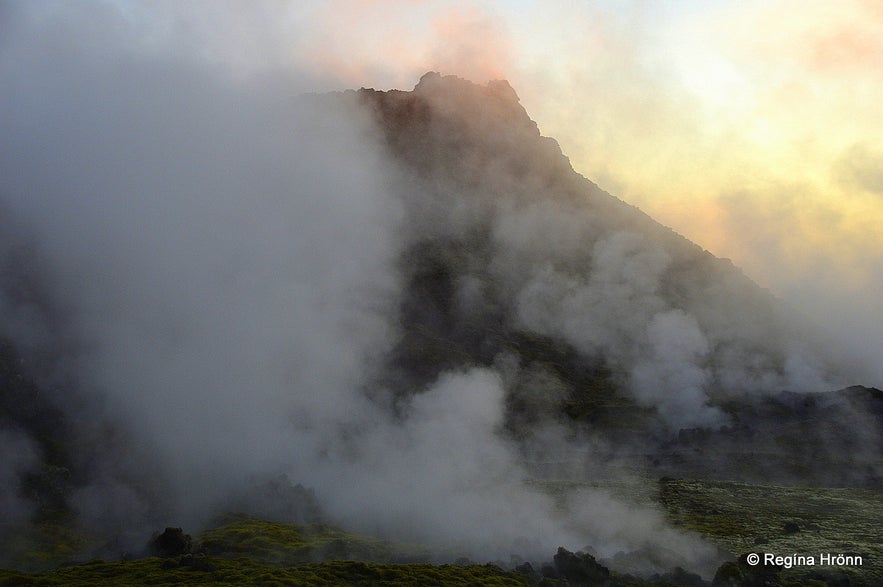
[172, 542]
[580, 568]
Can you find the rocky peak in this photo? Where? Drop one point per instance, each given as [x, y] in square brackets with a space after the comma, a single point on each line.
[433, 82]
[451, 125]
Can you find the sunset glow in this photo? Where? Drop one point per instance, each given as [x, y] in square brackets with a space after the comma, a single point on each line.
[752, 127]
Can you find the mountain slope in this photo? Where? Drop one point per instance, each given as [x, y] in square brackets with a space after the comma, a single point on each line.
[505, 242]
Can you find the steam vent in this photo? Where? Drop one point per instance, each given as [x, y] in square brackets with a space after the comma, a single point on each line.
[351, 338]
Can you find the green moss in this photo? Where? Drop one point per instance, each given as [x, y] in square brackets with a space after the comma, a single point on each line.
[154, 571]
[46, 544]
[290, 544]
[744, 517]
[739, 517]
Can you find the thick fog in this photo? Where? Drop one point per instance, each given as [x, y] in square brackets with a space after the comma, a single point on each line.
[219, 261]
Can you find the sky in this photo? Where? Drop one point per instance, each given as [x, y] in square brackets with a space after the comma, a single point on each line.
[751, 127]
[754, 128]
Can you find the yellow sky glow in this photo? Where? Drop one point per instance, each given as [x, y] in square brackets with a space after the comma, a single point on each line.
[753, 127]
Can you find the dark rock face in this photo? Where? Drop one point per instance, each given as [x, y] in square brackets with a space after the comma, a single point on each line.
[579, 568]
[171, 542]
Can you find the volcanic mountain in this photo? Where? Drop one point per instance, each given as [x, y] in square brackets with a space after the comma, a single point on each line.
[465, 318]
[596, 311]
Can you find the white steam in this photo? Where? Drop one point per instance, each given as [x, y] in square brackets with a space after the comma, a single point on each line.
[669, 376]
[226, 255]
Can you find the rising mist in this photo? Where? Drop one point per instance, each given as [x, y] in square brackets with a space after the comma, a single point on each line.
[228, 281]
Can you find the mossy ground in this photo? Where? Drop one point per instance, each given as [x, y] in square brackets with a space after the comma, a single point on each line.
[242, 571]
[743, 518]
[738, 517]
[46, 544]
[289, 544]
